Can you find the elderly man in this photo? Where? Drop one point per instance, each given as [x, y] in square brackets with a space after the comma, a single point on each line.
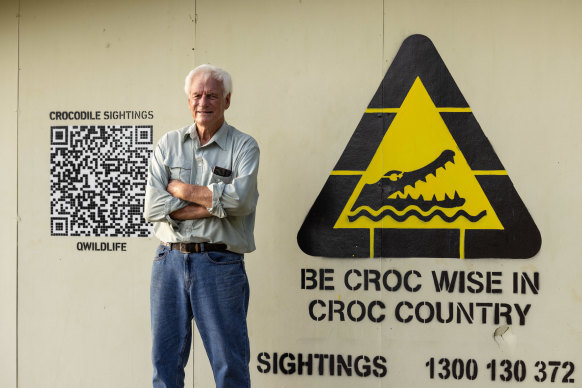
[201, 196]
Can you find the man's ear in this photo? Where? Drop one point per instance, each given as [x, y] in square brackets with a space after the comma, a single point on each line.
[227, 101]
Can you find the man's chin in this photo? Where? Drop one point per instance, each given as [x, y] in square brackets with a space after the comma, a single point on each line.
[204, 120]
[206, 116]
[208, 122]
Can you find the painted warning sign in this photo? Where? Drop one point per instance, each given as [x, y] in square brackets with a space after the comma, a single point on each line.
[419, 178]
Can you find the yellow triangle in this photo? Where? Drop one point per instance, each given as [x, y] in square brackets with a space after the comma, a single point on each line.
[419, 149]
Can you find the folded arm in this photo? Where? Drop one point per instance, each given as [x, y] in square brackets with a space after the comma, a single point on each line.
[238, 198]
[162, 206]
[190, 212]
[169, 200]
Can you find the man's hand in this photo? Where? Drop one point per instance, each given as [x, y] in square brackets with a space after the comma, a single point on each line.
[177, 188]
[199, 195]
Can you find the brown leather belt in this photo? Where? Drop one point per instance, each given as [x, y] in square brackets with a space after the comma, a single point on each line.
[195, 247]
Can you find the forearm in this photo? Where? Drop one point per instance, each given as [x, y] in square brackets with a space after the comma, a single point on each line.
[158, 202]
[190, 212]
[199, 195]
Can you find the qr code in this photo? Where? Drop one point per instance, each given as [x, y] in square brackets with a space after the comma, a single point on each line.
[98, 180]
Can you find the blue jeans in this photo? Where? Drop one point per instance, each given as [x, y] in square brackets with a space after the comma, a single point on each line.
[211, 287]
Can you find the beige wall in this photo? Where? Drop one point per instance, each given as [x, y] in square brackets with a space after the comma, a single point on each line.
[304, 72]
[84, 316]
[8, 190]
[302, 86]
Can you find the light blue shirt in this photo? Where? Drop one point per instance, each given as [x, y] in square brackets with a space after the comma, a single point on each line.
[179, 155]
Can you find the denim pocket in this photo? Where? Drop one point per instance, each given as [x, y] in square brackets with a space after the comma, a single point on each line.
[161, 252]
[223, 258]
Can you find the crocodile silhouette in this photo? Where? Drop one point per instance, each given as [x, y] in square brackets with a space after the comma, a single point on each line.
[396, 181]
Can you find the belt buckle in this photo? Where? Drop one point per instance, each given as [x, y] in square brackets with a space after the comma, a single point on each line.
[183, 247]
[189, 247]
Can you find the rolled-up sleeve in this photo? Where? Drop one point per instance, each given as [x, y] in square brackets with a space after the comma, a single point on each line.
[158, 202]
[238, 198]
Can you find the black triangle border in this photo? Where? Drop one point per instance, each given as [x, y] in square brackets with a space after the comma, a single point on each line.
[418, 57]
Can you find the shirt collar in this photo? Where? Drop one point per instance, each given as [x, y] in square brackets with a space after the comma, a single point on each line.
[219, 137]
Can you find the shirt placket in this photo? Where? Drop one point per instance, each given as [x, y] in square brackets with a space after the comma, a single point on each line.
[195, 173]
[199, 164]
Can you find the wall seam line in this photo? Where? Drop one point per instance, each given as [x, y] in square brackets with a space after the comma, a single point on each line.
[17, 336]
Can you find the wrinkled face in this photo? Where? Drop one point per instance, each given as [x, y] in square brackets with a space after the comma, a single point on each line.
[207, 102]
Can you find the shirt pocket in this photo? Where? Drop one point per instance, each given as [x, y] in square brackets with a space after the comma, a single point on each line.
[179, 170]
[214, 178]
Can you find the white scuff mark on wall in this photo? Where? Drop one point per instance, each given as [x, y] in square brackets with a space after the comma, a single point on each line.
[505, 339]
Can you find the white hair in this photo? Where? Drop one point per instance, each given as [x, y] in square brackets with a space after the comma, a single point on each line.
[217, 73]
